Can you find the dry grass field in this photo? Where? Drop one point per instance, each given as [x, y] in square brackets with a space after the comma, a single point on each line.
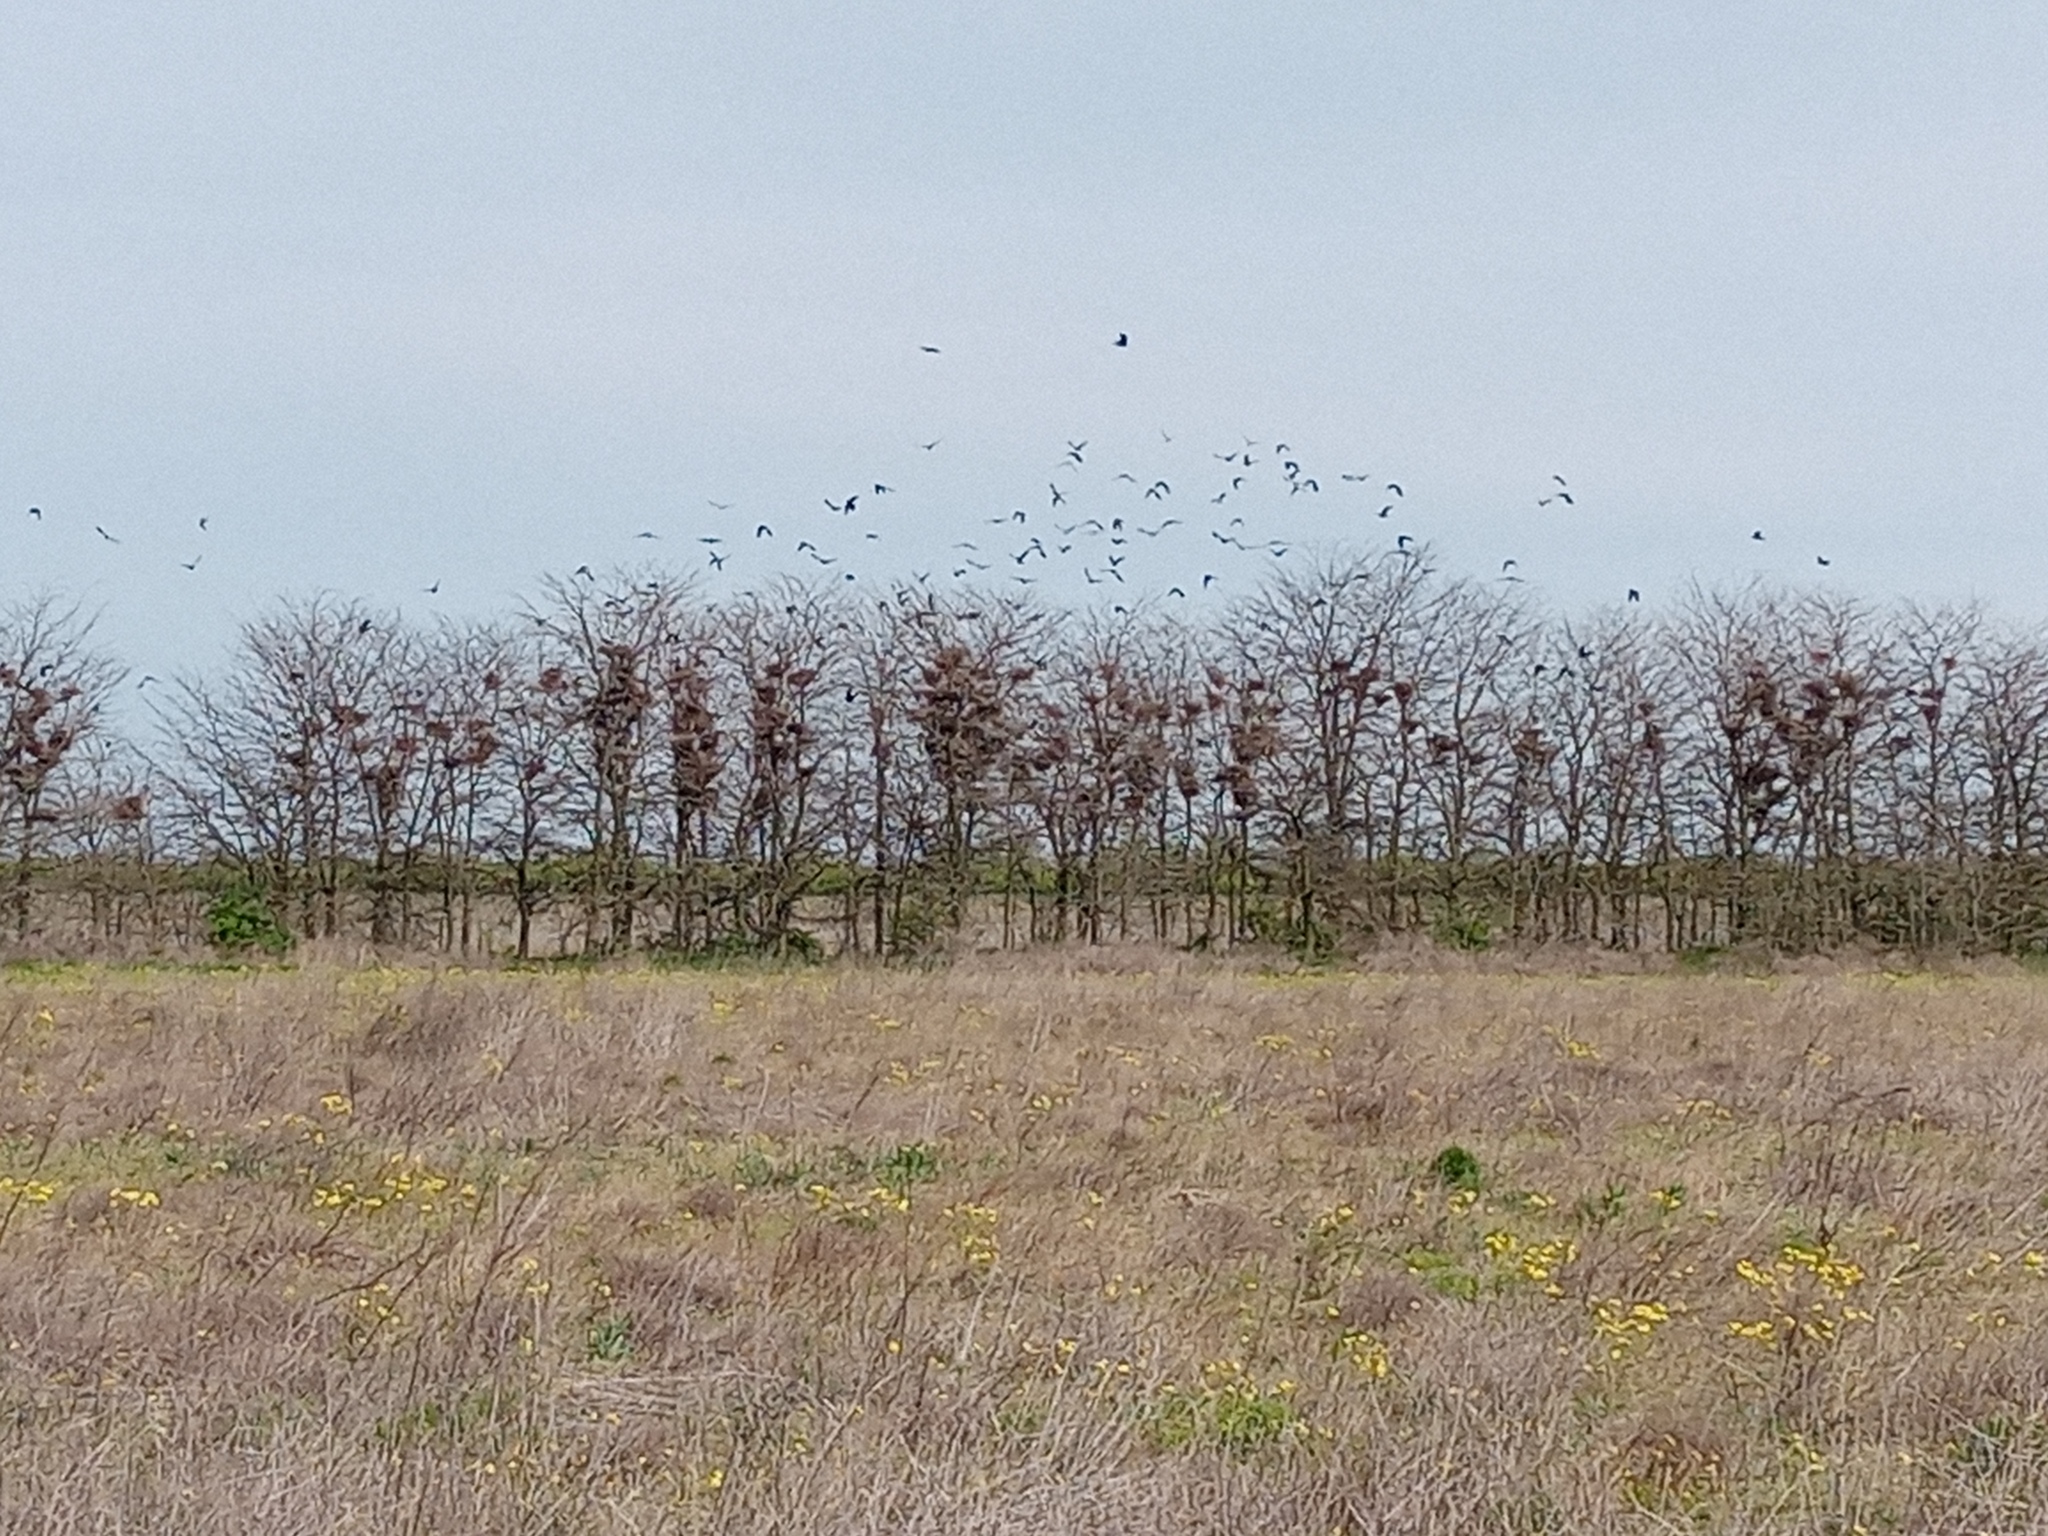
[1064, 1245]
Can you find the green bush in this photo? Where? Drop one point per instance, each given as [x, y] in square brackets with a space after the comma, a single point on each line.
[1469, 932]
[1456, 1167]
[241, 920]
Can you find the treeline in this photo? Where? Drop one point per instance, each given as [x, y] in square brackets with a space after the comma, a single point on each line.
[1359, 748]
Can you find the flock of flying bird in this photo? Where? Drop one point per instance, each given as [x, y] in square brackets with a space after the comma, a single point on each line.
[1056, 534]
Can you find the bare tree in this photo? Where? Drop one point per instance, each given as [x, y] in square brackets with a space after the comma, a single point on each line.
[54, 687]
[615, 639]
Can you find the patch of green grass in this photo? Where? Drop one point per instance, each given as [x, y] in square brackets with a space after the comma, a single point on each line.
[1442, 1273]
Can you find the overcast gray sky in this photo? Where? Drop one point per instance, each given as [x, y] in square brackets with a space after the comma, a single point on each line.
[400, 294]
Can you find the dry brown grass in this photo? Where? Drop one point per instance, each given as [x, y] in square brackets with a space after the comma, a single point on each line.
[1040, 1247]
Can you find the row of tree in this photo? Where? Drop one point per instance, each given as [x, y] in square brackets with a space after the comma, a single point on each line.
[1363, 746]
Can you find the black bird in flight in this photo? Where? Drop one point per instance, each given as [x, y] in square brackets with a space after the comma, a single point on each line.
[1758, 535]
[644, 534]
[722, 506]
[710, 538]
[1175, 592]
[1158, 490]
[883, 490]
[1123, 338]
[1823, 560]
[1074, 450]
[1206, 579]
[36, 513]
[763, 531]
[717, 560]
[435, 588]
[933, 350]
[1395, 489]
[928, 447]
[1356, 478]
[1634, 596]
[202, 525]
[96, 528]
[193, 563]
[1386, 509]
[585, 572]
[1403, 541]
[1057, 499]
